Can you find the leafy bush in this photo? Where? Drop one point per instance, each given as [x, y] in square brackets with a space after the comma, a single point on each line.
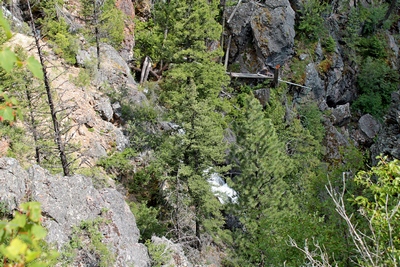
[298, 70]
[119, 162]
[112, 25]
[64, 44]
[110, 22]
[142, 126]
[372, 47]
[89, 229]
[21, 239]
[311, 119]
[376, 82]
[311, 19]
[57, 31]
[380, 203]
[372, 17]
[329, 44]
[146, 220]
[159, 254]
[148, 40]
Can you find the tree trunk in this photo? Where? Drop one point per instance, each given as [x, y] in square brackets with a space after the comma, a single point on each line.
[57, 132]
[198, 242]
[96, 31]
[34, 128]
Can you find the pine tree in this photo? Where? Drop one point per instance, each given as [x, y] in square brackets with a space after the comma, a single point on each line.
[191, 88]
[195, 147]
[107, 22]
[181, 31]
[265, 203]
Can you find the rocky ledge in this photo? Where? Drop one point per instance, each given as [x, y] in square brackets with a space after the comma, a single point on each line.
[69, 201]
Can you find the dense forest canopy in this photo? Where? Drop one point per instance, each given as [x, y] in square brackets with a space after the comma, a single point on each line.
[296, 181]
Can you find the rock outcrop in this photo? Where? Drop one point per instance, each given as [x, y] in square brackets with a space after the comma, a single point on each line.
[114, 71]
[174, 252]
[66, 202]
[262, 34]
[388, 140]
[95, 123]
[126, 6]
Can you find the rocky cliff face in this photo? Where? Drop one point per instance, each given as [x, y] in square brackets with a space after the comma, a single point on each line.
[263, 36]
[388, 141]
[68, 201]
[96, 123]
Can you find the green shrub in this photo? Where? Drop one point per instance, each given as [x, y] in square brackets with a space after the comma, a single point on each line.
[159, 254]
[352, 33]
[146, 220]
[110, 22]
[21, 239]
[56, 30]
[372, 47]
[64, 44]
[372, 16]
[311, 24]
[376, 82]
[311, 119]
[329, 44]
[298, 70]
[88, 229]
[83, 79]
[119, 163]
[142, 123]
[112, 26]
[148, 40]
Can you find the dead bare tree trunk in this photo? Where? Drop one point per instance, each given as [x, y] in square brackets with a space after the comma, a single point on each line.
[145, 69]
[34, 128]
[57, 133]
[96, 30]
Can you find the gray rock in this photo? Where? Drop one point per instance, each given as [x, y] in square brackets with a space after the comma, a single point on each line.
[96, 150]
[271, 26]
[241, 19]
[103, 106]
[114, 72]
[314, 81]
[341, 115]
[175, 251]
[303, 57]
[273, 30]
[334, 140]
[341, 83]
[395, 48]
[66, 202]
[323, 106]
[262, 95]
[318, 52]
[117, 109]
[388, 141]
[13, 186]
[86, 119]
[242, 36]
[296, 4]
[83, 57]
[369, 126]
[121, 140]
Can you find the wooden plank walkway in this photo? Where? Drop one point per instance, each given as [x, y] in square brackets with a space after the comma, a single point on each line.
[262, 76]
[250, 75]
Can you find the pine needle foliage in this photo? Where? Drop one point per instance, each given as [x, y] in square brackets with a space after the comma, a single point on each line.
[190, 90]
[265, 200]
